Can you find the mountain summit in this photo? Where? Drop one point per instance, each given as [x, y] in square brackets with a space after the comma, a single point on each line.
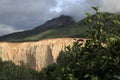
[60, 21]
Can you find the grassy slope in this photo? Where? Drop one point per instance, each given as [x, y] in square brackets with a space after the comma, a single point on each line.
[69, 31]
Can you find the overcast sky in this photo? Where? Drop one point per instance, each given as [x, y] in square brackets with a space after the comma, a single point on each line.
[18, 15]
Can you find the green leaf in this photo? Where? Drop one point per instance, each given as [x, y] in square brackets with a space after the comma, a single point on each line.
[95, 78]
[116, 22]
[98, 16]
[88, 14]
[96, 8]
[87, 75]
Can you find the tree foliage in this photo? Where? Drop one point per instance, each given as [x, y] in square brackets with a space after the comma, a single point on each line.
[10, 71]
[99, 59]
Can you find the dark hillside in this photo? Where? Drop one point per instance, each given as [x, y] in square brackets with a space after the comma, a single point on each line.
[63, 26]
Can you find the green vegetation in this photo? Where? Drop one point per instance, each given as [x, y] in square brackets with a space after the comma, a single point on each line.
[98, 60]
[10, 71]
[92, 62]
[61, 32]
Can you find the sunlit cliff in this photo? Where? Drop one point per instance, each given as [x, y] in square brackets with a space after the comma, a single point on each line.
[36, 54]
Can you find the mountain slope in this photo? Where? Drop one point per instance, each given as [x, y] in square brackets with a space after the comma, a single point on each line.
[41, 30]
[62, 27]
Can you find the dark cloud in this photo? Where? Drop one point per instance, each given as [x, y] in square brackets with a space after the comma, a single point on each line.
[17, 15]
[25, 13]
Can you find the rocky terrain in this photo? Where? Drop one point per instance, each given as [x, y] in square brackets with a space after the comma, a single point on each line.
[36, 54]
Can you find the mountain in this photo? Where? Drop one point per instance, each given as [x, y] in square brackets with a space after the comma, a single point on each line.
[63, 27]
[41, 32]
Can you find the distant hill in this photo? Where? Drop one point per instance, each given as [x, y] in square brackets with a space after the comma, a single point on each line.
[61, 27]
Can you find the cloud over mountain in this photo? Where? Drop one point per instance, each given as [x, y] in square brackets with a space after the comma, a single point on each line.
[26, 14]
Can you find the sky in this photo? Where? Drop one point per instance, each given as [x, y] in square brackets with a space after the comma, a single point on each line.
[19, 15]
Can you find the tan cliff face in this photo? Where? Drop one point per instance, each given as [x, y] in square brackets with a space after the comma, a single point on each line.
[36, 54]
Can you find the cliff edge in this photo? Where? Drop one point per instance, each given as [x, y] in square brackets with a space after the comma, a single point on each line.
[36, 54]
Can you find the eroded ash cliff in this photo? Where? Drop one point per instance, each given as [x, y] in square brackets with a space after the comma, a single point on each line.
[36, 54]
